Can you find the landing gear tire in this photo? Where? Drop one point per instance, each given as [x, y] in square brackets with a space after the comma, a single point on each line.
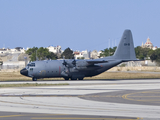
[66, 78]
[34, 79]
[72, 78]
[80, 78]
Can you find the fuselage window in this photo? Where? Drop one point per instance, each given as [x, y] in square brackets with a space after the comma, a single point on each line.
[31, 69]
[32, 64]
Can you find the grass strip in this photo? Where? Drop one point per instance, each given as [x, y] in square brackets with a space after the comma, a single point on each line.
[15, 76]
[30, 85]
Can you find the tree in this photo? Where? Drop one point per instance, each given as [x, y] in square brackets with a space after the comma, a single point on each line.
[32, 53]
[1, 62]
[52, 56]
[80, 58]
[142, 53]
[108, 52]
[155, 56]
[40, 54]
[68, 54]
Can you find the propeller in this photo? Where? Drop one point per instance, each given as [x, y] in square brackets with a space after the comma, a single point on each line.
[64, 63]
[69, 64]
[74, 62]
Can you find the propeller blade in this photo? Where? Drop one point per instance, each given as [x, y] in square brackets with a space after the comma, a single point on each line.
[64, 63]
[74, 62]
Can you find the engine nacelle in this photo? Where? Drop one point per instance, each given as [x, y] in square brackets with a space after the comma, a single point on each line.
[81, 63]
[78, 64]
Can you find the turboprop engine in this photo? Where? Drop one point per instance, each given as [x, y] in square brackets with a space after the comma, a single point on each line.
[75, 63]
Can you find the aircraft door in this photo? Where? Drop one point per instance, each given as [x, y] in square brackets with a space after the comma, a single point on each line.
[56, 68]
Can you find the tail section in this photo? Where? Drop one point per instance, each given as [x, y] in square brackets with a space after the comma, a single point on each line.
[125, 50]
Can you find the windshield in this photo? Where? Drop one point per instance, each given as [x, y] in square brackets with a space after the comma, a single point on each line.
[30, 65]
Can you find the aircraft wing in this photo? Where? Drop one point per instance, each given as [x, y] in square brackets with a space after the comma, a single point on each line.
[92, 62]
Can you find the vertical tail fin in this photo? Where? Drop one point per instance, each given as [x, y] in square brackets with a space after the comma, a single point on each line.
[125, 49]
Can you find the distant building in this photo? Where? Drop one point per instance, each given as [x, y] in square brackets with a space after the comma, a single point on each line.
[3, 51]
[84, 54]
[77, 54]
[56, 49]
[95, 55]
[148, 44]
[17, 50]
[99, 53]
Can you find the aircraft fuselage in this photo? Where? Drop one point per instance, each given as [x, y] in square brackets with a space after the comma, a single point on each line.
[55, 68]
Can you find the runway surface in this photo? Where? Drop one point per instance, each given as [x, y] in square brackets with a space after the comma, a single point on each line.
[91, 99]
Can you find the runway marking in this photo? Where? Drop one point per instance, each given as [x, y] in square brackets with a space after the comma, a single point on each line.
[64, 106]
[60, 117]
[74, 107]
[86, 118]
[65, 118]
[145, 96]
[129, 97]
[32, 115]
[57, 96]
[11, 116]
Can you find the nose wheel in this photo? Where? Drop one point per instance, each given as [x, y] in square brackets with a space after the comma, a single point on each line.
[34, 79]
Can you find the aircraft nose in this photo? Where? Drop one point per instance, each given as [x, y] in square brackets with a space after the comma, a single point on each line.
[24, 72]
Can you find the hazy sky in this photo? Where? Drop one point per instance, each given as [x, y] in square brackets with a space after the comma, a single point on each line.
[78, 24]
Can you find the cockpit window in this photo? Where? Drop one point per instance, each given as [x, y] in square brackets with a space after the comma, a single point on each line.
[30, 65]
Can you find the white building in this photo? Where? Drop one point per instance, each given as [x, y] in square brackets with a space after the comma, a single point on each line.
[99, 53]
[56, 49]
[4, 52]
[84, 54]
[17, 50]
[77, 54]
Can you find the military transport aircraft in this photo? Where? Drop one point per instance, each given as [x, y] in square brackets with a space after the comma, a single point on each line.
[78, 69]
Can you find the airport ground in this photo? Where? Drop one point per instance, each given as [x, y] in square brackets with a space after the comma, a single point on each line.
[113, 95]
[89, 99]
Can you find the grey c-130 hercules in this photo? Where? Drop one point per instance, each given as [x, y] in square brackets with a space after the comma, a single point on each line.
[78, 69]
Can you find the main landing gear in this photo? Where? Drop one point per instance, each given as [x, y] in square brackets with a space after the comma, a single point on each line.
[34, 79]
[66, 78]
[73, 78]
